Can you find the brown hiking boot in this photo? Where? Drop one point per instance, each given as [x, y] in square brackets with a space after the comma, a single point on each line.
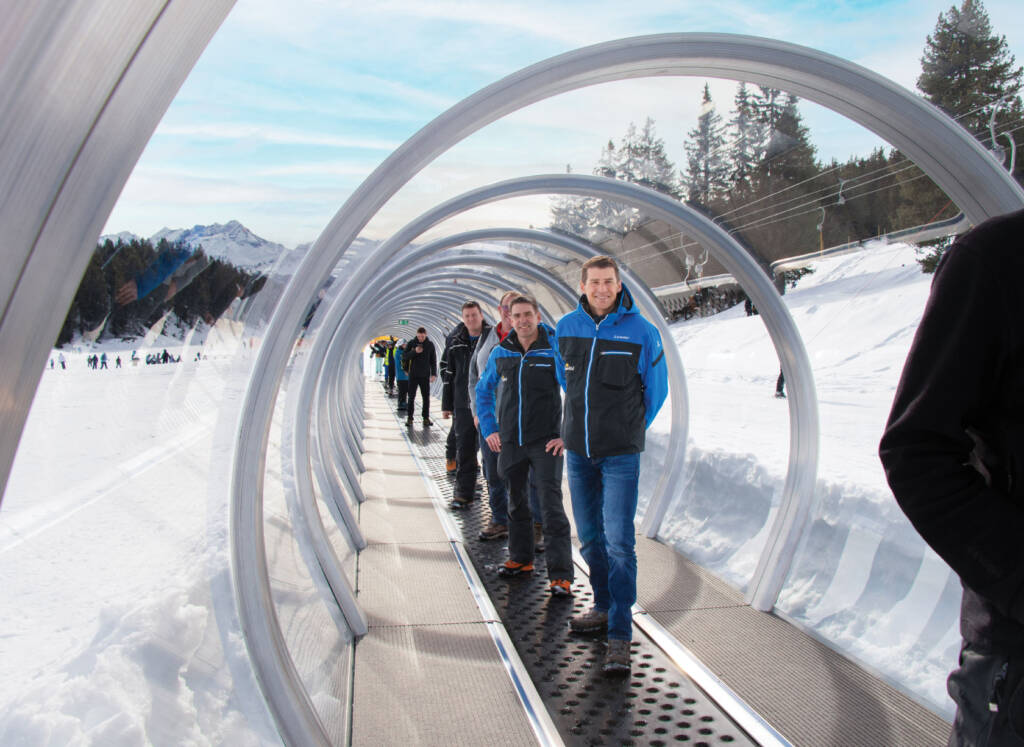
[493, 531]
[594, 621]
[616, 659]
[538, 537]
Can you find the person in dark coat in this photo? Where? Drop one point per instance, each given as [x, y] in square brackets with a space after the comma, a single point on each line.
[458, 352]
[521, 420]
[953, 453]
[422, 357]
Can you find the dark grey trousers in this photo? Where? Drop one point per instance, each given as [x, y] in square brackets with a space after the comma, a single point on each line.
[515, 462]
[989, 696]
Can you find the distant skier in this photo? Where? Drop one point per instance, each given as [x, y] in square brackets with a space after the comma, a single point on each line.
[103, 361]
[780, 386]
[118, 362]
[61, 360]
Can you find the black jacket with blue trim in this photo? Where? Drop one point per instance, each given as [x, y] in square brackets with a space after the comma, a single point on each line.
[616, 378]
[458, 352]
[528, 406]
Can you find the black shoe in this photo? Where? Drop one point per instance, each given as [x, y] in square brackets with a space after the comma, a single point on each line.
[459, 502]
[408, 422]
[427, 421]
[616, 659]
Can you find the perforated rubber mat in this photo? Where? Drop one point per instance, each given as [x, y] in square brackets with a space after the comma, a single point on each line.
[655, 705]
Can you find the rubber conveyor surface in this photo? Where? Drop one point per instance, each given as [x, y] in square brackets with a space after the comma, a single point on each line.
[656, 705]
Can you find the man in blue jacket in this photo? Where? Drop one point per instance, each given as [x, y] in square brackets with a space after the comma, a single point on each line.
[616, 380]
[522, 428]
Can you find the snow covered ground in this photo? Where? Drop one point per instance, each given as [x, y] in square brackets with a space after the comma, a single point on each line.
[113, 552]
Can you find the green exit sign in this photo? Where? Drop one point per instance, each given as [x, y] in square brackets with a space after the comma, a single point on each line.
[403, 321]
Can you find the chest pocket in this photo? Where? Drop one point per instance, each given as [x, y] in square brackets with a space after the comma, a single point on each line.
[616, 369]
[540, 374]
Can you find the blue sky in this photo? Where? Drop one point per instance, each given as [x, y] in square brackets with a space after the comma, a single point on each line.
[293, 104]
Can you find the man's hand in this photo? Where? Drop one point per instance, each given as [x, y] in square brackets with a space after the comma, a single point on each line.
[419, 348]
[445, 414]
[127, 293]
[494, 441]
[433, 379]
[555, 446]
[476, 422]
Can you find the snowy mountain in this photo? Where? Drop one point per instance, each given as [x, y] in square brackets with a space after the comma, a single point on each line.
[230, 241]
[123, 237]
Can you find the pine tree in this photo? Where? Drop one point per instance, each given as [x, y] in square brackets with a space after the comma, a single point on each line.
[746, 142]
[707, 172]
[968, 72]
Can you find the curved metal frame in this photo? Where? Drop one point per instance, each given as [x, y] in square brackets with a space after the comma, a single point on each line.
[958, 164]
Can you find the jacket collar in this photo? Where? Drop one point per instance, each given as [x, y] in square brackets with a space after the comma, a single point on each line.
[544, 335]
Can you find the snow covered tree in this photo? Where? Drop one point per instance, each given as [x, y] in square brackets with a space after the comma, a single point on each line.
[643, 160]
[707, 171]
[639, 158]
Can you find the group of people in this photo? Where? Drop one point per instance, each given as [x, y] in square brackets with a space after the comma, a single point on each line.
[96, 362]
[503, 390]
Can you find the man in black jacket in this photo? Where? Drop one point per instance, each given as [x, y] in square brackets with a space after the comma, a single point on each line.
[953, 452]
[422, 358]
[458, 351]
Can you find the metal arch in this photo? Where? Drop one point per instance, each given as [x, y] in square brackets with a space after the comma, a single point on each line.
[649, 303]
[941, 148]
[335, 317]
[798, 489]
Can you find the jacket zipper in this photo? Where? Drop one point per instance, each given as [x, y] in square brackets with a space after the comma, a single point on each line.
[586, 392]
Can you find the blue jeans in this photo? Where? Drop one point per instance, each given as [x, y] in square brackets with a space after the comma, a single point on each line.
[604, 495]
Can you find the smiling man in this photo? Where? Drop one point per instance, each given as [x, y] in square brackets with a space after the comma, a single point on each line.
[520, 420]
[615, 382]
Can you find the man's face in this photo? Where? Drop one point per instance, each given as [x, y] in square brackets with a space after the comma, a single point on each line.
[601, 287]
[421, 336]
[506, 311]
[525, 320]
[473, 320]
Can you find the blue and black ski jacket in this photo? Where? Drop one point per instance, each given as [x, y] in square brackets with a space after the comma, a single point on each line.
[615, 376]
[528, 404]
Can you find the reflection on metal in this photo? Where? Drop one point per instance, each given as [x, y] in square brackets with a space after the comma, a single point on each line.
[79, 105]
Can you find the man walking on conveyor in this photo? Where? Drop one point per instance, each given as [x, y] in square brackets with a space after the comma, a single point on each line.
[458, 351]
[522, 427]
[615, 381]
[422, 366]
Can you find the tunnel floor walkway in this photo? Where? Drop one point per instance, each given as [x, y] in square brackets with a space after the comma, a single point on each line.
[429, 671]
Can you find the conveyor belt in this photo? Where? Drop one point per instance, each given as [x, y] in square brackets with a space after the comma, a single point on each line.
[656, 705]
